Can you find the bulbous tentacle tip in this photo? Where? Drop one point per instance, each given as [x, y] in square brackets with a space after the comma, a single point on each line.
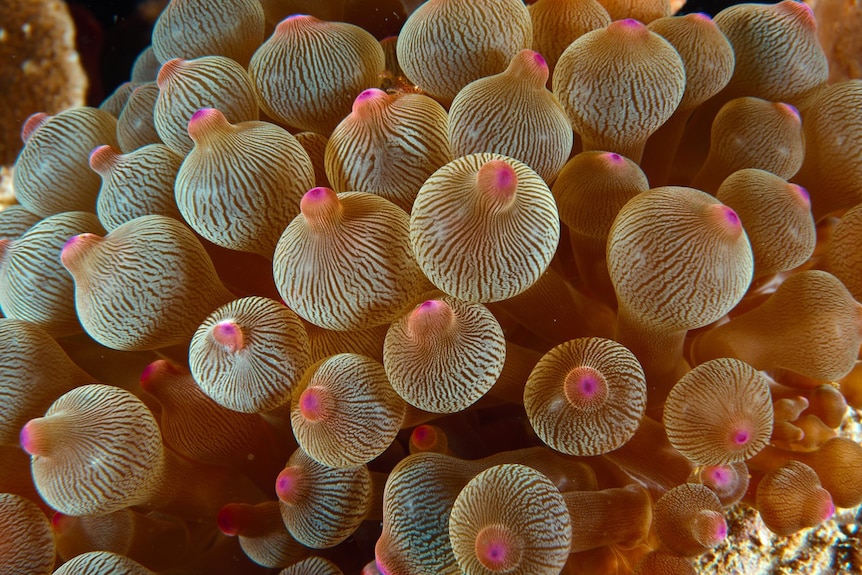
[369, 99]
[799, 10]
[531, 65]
[613, 158]
[292, 22]
[103, 158]
[320, 205]
[629, 26]
[229, 334]
[790, 110]
[584, 386]
[229, 520]
[497, 180]
[59, 522]
[710, 528]
[498, 549]
[312, 403]
[432, 315]
[288, 485]
[168, 71]
[33, 123]
[35, 439]
[75, 247]
[155, 373]
[725, 219]
[207, 121]
[424, 437]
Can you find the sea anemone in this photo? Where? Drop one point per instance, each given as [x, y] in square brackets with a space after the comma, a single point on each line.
[613, 358]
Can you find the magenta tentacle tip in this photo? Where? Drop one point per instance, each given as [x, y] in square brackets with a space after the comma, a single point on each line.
[148, 374]
[741, 437]
[720, 530]
[791, 110]
[731, 217]
[628, 24]
[73, 245]
[368, 97]
[202, 114]
[614, 158]
[430, 306]
[228, 334]
[311, 404]
[58, 521]
[226, 521]
[71, 241]
[27, 438]
[424, 436]
[802, 193]
[153, 371]
[719, 475]
[316, 194]
[828, 509]
[287, 484]
[497, 548]
[498, 179]
[583, 386]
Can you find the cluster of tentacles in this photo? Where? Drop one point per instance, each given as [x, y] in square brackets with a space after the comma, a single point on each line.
[527, 289]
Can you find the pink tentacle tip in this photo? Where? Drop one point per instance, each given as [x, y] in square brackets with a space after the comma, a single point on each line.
[318, 194]
[155, 372]
[59, 521]
[29, 438]
[68, 244]
[496, 548]
[33, 123]
[227, 521]
[629, 26]
[719, 475]
[320, 205]
[366, 97]
[720, 530]
[741, 437]
[584, 386]
[802, 193]
[495, 553]
[311, 404]
[431, 306]
[614, 158]
[201, 115]
[287, 485]
[588, 386]
[229, 335]
[102, 157]
[75, 246]
[498, 180]
[206, 120]
[791, 110]
[168, 71]
[731, 217]
[701, 16]
[725, 219]
[381, 568]
[828, 509]
[540, 60]
[424, 436]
